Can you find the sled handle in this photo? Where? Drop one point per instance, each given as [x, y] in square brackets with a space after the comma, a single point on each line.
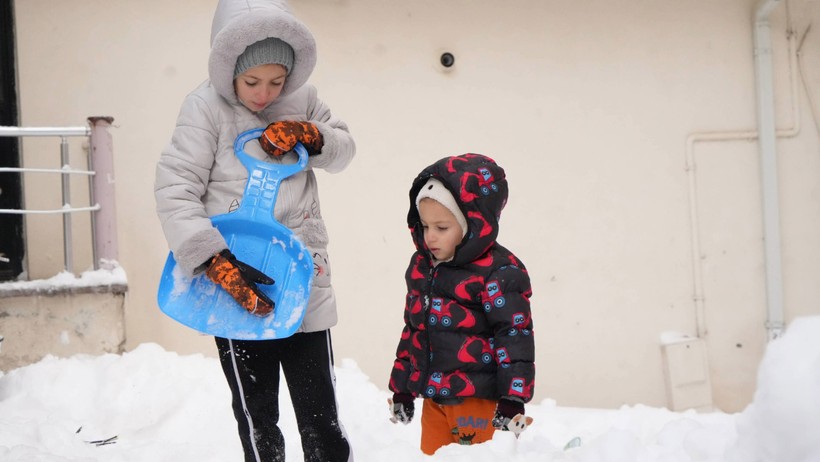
[262, 187]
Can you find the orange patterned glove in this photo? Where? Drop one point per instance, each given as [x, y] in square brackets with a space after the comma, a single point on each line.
[239, 279]
[280, 137]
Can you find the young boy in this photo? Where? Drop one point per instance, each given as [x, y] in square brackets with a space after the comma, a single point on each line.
[467, 346]
[261, 58]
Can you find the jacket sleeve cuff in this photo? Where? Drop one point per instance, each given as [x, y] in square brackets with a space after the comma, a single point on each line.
[194, 253]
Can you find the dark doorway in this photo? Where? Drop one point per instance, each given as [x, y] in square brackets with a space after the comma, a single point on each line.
[11, 225]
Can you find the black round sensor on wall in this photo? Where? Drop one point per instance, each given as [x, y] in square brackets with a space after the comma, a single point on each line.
[447, 59]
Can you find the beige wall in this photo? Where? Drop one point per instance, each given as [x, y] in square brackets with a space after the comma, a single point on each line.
[587, 105]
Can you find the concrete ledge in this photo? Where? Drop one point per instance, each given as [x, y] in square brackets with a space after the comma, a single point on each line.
[61, 321]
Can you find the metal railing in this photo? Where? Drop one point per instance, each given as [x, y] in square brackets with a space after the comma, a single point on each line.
[101, 185]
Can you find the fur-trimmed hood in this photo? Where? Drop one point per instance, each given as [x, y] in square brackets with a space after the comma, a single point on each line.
[479, 186]
[239, 23]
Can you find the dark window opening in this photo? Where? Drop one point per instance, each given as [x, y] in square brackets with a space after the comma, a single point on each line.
[11, 225]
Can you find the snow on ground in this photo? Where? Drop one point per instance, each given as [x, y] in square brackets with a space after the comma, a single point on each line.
[112, 274]
[164, 407]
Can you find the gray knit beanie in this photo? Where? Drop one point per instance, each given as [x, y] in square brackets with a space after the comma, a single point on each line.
[269, 51]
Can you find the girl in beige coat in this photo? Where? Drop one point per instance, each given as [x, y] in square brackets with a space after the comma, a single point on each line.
[260, 60]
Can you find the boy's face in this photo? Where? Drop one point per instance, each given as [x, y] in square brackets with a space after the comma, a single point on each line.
[442, 233]
[259, 86]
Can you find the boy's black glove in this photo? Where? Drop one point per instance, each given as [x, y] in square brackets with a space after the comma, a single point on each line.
[280, 137]
[239, 279]
[509, 416]
[401, 408]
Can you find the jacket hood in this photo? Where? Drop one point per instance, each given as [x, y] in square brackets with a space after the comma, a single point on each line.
[239, 23]
[479, 186]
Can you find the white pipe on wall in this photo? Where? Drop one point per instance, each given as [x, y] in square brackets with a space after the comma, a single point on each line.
[767, 139]
[692, 139]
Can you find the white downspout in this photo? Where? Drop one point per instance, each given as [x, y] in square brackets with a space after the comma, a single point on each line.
[767, 138]
[693, 139]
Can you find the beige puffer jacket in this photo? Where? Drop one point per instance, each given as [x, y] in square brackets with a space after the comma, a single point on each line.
[198, 174]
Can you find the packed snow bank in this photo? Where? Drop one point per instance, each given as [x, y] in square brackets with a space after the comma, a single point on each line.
[783, 421]
[164, 407]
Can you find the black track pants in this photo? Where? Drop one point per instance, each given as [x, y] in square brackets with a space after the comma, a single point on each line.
[252, 371]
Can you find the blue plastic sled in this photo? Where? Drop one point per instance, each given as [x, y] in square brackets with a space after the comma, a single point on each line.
[256, 238]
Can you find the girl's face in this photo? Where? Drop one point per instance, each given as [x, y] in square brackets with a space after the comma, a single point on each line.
[259, 86]
[442, 233]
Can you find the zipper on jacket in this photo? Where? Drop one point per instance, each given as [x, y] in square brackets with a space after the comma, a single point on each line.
[428, 296]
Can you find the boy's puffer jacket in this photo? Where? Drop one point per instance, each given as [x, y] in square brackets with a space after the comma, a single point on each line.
[468, 326]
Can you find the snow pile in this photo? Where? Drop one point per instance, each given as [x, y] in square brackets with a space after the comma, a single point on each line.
[154, 405]
[783, 420]
[111, 275]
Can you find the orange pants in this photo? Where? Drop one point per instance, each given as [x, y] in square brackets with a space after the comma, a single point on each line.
[467, 423]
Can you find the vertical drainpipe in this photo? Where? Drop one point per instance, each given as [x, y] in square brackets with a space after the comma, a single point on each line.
[104, 220]
[768, 166]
